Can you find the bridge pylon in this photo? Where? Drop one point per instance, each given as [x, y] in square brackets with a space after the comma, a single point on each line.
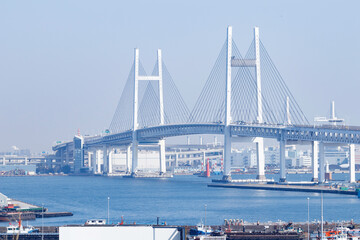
[232, 62]
[135, 142]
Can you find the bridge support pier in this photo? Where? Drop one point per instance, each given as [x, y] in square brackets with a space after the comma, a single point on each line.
[282, 144]
[203, 164]
[315, 161]
[321, 162]
[260, 159]
[352, 162]
[3, 160]
[134, 163]
[111, 152]
[227, 154]
[127, 165]
[93, 161]
[89, 153]
[105, 159]
[97, 160]
[176, 160]
[162, 157]
[67, 158]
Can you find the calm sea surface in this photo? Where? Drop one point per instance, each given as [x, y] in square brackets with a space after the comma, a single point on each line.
[179, 200]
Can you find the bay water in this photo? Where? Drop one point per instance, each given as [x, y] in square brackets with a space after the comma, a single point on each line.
[177, 201]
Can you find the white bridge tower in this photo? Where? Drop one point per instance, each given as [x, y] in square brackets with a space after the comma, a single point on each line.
[135, 143]
[232, 62]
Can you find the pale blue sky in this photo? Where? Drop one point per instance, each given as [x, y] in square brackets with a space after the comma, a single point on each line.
[63, 64]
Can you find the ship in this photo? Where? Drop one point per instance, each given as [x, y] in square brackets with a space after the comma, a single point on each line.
[200, 230]
[20, 229]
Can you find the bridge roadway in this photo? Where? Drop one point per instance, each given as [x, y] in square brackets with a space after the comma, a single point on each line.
[326, 134]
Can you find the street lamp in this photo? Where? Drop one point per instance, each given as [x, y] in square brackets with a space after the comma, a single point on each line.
[205, 215]
[322, 216]
[308, 223]
[42, 221]
[108, 210]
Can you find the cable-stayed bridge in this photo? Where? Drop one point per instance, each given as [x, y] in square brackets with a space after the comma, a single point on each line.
[244, 99]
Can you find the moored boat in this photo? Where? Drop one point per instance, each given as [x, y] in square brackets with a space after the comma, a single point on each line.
[200, 229]
[20, 229]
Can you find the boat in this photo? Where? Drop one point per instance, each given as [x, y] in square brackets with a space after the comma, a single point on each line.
[342, 233]
[200, 229]
[20, 229]
[92, 222]
[354, 233]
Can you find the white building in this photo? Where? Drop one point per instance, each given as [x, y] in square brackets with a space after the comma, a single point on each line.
[243, 158]
[132, 232]
[304, 161]
[272, 155]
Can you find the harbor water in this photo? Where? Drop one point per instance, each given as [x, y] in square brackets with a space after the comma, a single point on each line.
[179, 200]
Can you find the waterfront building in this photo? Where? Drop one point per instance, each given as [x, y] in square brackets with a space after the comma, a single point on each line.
[78, 153]
[272, 155]
[3, 200]
[243, 158]
[304, 161]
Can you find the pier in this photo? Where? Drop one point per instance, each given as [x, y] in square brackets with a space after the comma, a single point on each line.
[283, 187]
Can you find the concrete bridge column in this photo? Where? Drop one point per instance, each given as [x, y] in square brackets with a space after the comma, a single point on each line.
[67, 156]
[62, 160]
[227, 154]
[162, 156]
[315, 161]
[203, 161]
[3, 160]
[134, 163]
[93, 161]
[260, 159]
[97, 160]
[128, 151]
[321, 162]
[282, 144]
[110, 164]
[90, 154]
[352, 162]
[26, 161]
[176, 160]
[105, 159]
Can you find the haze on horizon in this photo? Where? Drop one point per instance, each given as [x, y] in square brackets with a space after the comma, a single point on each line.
[63, 64]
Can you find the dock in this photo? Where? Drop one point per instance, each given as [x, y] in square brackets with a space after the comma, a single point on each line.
[53, 214]
[149, 175]
[283, 187]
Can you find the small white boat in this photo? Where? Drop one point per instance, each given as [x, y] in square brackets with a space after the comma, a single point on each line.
[96, 222]
[20, 229]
